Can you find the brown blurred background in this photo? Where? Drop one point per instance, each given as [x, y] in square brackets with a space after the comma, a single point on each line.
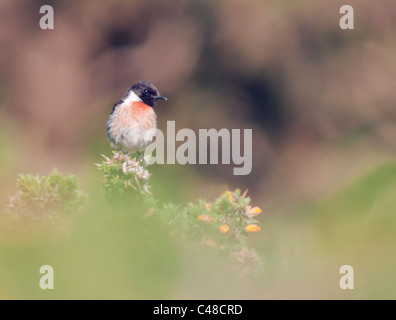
[320, 100]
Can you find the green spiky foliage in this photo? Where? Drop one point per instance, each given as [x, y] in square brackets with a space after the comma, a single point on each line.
[45, 197]
[223, 225]
[124, 176]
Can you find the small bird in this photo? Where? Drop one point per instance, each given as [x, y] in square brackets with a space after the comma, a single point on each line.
[132, 123]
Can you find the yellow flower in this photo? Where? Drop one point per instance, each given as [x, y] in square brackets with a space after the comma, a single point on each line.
[229, 196]
[224, 228]
[252, 228]
[205, 218]
[253, 211]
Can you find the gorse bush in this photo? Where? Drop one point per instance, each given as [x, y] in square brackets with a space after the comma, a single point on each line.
[46, 197]
[123, 174]
[223, 224]
[126, 180]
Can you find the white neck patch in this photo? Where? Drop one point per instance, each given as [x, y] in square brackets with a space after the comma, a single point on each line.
[132, 97]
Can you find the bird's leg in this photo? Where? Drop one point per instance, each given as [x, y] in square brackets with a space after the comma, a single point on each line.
[141, 158]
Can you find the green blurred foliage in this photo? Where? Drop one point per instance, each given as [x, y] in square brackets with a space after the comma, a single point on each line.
[45, 198]
[116, 252]
[223, 224]
[355, 226]
[105, 254]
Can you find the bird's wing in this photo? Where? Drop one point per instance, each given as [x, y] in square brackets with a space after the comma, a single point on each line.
[116, 105]
[111, 140]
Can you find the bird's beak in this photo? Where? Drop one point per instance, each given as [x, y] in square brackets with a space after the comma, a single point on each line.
[161, 98]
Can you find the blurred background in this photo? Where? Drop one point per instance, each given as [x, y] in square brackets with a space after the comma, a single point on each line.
[320, 101]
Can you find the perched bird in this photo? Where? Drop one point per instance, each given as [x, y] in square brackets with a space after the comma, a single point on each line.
[133, 122]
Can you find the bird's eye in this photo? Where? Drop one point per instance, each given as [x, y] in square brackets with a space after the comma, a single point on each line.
[146, 92]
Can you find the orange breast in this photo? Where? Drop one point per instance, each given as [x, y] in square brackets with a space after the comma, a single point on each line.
[136, 116]
[142, 114]
[139, 108]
